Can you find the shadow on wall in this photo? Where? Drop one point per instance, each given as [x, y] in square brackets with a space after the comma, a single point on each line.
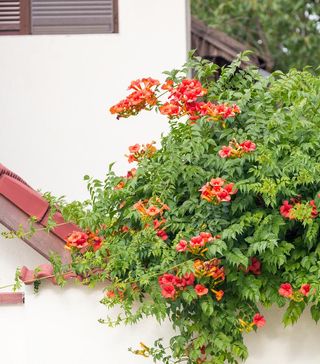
[275, 344]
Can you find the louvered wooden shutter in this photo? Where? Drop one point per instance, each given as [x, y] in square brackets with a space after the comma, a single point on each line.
[72, 16]
[14, 17]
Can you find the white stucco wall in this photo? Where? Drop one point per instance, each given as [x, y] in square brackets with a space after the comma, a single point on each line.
[54, 95]
[55, 92]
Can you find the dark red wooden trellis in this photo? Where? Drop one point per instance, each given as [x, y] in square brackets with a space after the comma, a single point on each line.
[18, 202]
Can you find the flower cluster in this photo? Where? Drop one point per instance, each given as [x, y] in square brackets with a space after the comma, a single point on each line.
[211, 269]
[255, 266]
[295, 210]
[120, 185]
[115, 294]
[197, 244]
[183, 100]
[161, 233]
[142, 97]
[258, 321]
[138, 152]
[125, 229]
[218, 112]
[83, 241]
[129, 175]
[201, 290]
[171, 284]
[187, 91]
[217, 191]
[202, 359]
[196, 110]
[237, 150]
[286, 290]
[149, 208]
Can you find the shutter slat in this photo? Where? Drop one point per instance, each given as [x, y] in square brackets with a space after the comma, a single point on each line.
[74, 20]
[71, 29]
[10, 14]
[9, 27]
[72, 16]
[63, 3]
[57, 12]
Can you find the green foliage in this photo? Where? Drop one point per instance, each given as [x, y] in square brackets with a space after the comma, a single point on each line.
[17, 280]
[284, 32]
[293, 312]
[315, 312]
[280, 114]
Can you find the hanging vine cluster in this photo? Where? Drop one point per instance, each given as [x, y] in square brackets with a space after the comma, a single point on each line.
[219, 218]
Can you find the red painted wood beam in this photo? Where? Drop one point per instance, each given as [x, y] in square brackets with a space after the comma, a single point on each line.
[18, 202]
[11, 298]
[44, 243]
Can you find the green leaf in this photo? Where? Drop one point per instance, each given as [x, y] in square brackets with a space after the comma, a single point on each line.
[293, 312]
[236, 258]
[217, 247]
[315, 312]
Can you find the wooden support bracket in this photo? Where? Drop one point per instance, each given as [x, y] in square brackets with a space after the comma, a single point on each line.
[11, 298]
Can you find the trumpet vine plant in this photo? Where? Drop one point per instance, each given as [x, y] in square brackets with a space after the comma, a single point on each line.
[218, 220]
